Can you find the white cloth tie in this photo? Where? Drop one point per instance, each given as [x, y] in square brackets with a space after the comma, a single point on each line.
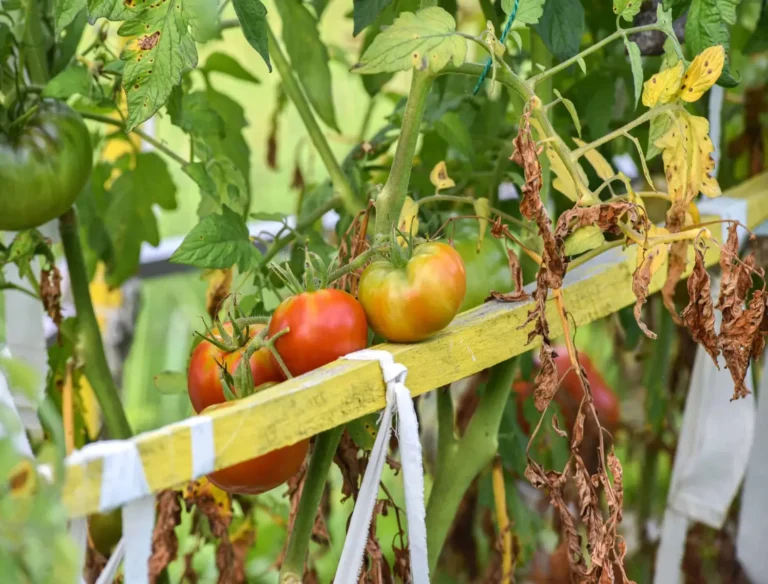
[398, 397]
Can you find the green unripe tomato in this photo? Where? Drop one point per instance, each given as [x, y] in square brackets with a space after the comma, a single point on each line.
[487, 269]
[106, 529]
[44, 164]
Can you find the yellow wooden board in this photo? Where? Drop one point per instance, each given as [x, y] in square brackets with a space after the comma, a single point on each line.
[345, 390]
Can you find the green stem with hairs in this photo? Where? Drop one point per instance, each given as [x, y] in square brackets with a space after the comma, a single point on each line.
[341, 185]
[460, 460]
[96, 367]
[392, 196]
[292, 569]
[471, 201]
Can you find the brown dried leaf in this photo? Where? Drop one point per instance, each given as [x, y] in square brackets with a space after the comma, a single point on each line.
[518, 293]
[699, 315]
[165, 544]
[739, 338]
[219, 284]
[678, 257]
[216, 505]
[641, 280]
[50, 293]
[606, 216]
[297, 181]
[546, 382]
[242, 541]
[351, 466]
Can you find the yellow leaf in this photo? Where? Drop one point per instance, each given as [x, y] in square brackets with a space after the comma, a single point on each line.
[408, 223]
[686, 151]
[662, 87]
[439, 177]
[692, 216]
[483, 211]
[702, 74]
[564, 181]
[657, 254]
[602, 167]
[583, 239]
[203, 488]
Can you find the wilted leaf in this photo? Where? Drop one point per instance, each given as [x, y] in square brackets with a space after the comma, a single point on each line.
[217, 241]
[516, 271]
[424, 40]
[602, 167]
[546, 382]
[165, 544]
[663, 87]
[702, 73]
[584, 239]
[687, 154]
[699, 315]
[408, 223]
[439, 177]
[741, 339]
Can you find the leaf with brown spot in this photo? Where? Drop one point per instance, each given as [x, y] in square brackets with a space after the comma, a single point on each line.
[165, 544]
[699, 315]
[219, 284]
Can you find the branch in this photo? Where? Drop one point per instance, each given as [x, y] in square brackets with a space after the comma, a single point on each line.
[96, 368]
[339, 180]
[391, 197]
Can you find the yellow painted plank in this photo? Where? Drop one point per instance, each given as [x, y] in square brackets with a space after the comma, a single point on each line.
[344, 390]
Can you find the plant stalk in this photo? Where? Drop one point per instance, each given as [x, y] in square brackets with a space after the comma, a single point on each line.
[96, 368]
[392, 196]
[540, 54]
[460, 461]
[34, 48]
[292, 569]
[292, 89]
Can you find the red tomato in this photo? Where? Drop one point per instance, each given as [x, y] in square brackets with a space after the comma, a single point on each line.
[324, 325]
[263, 473]
[203, 375]
[569, 395]
[412, 303]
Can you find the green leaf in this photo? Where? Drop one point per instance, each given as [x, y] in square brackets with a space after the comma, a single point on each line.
[728, 10]
[223, 63]
[675, 7]
[363, 431]
[252, 15]
[636, 61]
[366, 12]
[658, 127]
[221, 184]
[425, 40]
[528, 12]
[129, 218]
[627, 9]
[561, 27]
[195, 116]
[264, 216]
[582, 65]
[75, 79]
[309, 57]
[156, 59]
[571, 110]
[64, 12]
[217, 242]
[171, 382]
[584, 239]
[706, 27]
[455, 133]
[758, 42]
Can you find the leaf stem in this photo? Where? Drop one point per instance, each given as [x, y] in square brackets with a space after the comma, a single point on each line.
[392, 196]
[649, 115]
[279, 244]
[621, 33]
[96, 367]
[143, 135]
[292, 569]
[460, 461]
[355, 264]
[341, 184]
[471, 201]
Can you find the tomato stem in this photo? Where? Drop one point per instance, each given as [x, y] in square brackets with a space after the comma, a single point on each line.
[292, 569]
[96, 367]
[355, 264]
[271, 346]
[459, 461]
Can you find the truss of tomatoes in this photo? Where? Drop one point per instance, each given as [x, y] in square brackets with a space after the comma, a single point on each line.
[403, 301]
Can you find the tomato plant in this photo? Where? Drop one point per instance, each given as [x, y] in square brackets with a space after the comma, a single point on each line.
[413, 302]
[204, 382]
[260, 474]
[487, 268]
[324, 325]
[44, 165]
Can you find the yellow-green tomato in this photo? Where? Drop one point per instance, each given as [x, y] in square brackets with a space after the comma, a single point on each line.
[487, 268]
[411, 303]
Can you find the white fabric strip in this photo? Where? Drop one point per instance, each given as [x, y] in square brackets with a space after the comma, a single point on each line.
[716, 96]
[201, 441]
[78, 531]
[399, 397]
[752, 532]
[18, 435]
[123, 479]
[138, 524]
[711, 457]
